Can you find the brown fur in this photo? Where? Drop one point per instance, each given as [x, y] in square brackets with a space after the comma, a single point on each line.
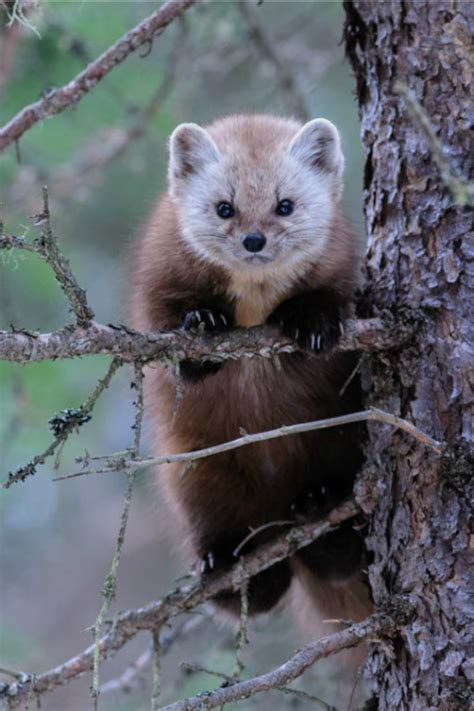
[217, 501]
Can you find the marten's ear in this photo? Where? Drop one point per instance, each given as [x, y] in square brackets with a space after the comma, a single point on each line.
[318, 144]
[191, 147]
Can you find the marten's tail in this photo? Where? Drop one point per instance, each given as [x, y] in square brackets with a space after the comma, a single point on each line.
[318, 604]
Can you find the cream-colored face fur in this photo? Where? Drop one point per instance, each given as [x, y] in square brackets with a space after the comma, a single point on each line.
[253, 163]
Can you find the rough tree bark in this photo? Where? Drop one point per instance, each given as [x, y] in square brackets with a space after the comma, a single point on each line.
[421, 253]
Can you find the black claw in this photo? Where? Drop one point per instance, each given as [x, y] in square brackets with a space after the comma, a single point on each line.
[207, 563]
[313, 320]
[206, 319]
[315, 342]
[191, 321]
[209, 321]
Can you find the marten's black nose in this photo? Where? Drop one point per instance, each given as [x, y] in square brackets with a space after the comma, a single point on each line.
[254, 242]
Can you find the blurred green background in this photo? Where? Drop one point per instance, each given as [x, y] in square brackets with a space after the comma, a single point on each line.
[57, 539]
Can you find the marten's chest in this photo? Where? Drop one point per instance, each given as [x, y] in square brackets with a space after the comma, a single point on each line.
[255, 300]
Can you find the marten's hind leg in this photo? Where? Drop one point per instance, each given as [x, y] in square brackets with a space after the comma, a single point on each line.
[218, 503]
[336, 556]
[216, 551]
[339, 554]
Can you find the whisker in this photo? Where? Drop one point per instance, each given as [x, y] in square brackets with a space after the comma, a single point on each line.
[210, 234]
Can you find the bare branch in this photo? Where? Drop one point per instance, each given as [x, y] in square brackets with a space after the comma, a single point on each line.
[47, 247]
[63, 424]
[59, 99]
[127, 624]
[139, 409]
[88, 337]
[128, 679]
[92, 338]
[375, 627]
[242, 638]
[19, 346]
[60, 265]
[10, 242]
[114, 464]
[156, 688]
[255, 531]
[106, 146]
[110, 585]
[191, 667]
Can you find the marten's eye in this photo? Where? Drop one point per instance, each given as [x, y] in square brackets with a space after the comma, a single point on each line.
[225, 210]
[284, 208]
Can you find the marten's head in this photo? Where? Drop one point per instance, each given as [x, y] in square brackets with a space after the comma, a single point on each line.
[256, 191]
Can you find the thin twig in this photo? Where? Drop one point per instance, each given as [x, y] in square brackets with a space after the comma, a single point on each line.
[156, 686]
[127, 680]
[60, 265]
[110, 585]
[108, 144]
[10, 242]
[374, 627]
[399, 423]
[461, 189]
[352, 374]
[70, 94]
[197, 668]
[47, 248]
[242, 638]
[127, 624]
[139, 408]
[16, 674]
[255, 531]
[63, 424]
[372, 415]
[307, 697]
[18, 15]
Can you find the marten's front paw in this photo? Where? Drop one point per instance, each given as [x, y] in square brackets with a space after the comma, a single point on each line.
[208, 320]
[311, 320]
[264, 590]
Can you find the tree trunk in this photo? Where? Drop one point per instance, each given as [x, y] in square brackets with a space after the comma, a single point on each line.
[420, 258]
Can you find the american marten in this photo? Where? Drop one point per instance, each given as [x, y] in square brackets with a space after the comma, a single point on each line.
[250, 231]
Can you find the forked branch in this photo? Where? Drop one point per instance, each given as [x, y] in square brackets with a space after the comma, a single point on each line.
[63, 424]
[109, 463]
[48, 248]
[375, 627]
[154, 615]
